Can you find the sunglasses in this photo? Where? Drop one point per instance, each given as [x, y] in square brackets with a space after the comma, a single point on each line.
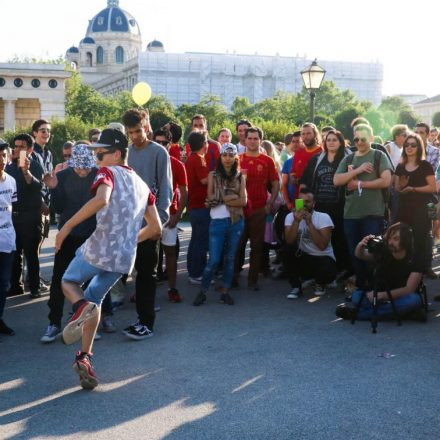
[228, 154]
[361, 139]
[411, 145]
[44, 130]
[164, 143]
[101, 154]
[67, 156]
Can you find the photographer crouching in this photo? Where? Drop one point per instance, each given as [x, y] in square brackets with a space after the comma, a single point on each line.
[396, 272]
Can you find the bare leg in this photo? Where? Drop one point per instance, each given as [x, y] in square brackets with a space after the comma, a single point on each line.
[171, 264]
[89, 331]
[72, 292]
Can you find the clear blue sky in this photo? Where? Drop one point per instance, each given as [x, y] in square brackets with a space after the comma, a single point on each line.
[404, 40]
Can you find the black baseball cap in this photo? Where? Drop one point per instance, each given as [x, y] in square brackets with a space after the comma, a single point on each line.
[111, 138]
[3, 144]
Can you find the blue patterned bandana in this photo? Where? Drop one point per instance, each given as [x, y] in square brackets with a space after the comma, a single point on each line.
[82, 157]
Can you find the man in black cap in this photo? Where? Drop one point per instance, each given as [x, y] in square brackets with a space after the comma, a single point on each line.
[121, 201]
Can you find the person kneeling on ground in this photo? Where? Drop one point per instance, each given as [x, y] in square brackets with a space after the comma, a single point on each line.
[397, 271]
[314, 258]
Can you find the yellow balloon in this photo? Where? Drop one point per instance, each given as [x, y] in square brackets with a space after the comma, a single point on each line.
[141, 93]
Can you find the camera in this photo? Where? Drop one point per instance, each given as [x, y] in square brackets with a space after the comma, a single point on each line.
[376, 245]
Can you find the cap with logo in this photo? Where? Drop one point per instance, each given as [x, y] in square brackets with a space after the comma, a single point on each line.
[111, 138]
[228, 148]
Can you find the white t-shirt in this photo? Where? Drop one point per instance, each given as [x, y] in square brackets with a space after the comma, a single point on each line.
[320, 220]
[395, 153]
[241, 148]
[8, 195]
[112, 246]
[220, 211]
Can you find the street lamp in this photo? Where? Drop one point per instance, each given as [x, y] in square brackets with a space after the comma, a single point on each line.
[312, 77]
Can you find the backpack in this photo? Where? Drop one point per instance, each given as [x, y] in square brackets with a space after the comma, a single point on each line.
[376, 164]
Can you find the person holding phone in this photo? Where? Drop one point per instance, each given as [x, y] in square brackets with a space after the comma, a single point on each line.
[313, 260]
[26, 214]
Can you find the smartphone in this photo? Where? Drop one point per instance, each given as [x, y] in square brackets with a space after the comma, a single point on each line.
[21, 158]
[299, 204]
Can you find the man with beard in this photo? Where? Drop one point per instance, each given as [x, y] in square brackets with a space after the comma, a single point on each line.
[314, 259]
[397, 271]
[312, 145]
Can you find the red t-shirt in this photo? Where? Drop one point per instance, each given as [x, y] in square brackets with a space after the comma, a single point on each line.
[104, 176]
[211, 155]
[260, 171]
[179, 179]
[301, 159]
[196, 170]
[174, 151]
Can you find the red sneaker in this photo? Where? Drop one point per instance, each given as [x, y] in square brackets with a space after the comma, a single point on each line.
[73, 330]
[174, 296]
[83, 366]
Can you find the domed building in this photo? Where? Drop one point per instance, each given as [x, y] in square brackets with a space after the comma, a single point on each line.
[112, 40]
[110, 58]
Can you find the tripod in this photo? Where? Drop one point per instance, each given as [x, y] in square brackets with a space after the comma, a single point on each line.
[374, 317]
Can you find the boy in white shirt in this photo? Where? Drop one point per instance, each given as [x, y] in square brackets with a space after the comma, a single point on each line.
[122, 200]
[8, 195]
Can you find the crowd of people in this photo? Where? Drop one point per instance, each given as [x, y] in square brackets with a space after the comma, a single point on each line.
[309, 207]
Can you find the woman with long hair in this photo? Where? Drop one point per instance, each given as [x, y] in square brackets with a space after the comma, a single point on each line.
[415, 184]
[226, 197]
[272, 152]
[318, 176]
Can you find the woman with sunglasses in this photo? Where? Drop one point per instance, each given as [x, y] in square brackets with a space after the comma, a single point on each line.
[415, 184]
[226, 197]
[329, 198]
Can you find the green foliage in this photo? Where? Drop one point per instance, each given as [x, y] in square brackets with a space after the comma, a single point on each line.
[408, 117]
[26, 60]
[436, 119]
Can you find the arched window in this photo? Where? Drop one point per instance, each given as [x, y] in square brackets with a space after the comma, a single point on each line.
[89, 59]
[119, 55]
[99, 55]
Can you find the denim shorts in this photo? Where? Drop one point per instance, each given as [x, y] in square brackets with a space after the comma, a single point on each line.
[80, 271]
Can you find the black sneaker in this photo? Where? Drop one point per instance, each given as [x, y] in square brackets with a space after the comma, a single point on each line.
[418, 315]
[227, 299]
[5, 330]
[346, 311]
[35, 294]
[138, 332]
[15, 290]
[200, 299]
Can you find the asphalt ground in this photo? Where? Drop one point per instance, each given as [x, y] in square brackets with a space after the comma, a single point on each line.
[265, 368]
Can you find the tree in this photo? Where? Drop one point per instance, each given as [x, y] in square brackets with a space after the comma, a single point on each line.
[436, 119]
[408, 117]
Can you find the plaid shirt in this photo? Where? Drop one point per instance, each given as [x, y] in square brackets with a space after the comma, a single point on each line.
[433, 156]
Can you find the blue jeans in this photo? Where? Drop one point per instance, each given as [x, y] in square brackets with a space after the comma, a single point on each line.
[6, 260]
[404, 305]
[355, 230]
[224, 238]
[101, 281]
[198, 245]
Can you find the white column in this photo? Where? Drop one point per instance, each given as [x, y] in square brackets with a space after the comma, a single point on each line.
[9, 114]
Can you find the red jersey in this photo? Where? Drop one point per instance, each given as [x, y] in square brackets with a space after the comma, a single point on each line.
[260, 171]
[301, 159]
[196, 170]
[211, 156]
[174, 151]
[179, 179]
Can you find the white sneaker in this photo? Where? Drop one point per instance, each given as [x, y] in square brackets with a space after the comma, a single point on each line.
[319, 290]
[195, 280]
[51, 333]
[294, 293]
[307, 283]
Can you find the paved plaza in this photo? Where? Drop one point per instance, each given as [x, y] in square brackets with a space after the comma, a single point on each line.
[265, 368]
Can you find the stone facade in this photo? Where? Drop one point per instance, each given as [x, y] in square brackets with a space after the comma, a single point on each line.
[29, 92]
[427, 108]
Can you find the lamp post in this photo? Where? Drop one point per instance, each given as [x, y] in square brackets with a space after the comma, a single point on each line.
[312, 77]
